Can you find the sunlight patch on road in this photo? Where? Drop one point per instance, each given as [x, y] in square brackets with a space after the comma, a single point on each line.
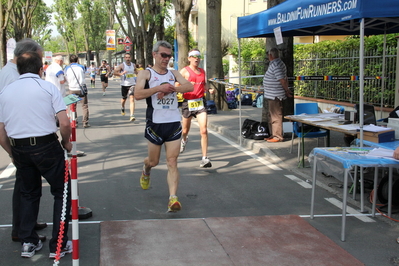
[8, 171]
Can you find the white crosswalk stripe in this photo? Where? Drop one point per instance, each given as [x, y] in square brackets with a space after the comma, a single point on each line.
[299, 181]
[350, 210]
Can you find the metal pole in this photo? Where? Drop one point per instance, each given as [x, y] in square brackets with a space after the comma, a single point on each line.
[361, 80]
[74, 190]
[239, 89]
[383, 72]
[397, 74]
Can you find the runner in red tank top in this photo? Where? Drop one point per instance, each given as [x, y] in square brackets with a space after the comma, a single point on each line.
[194, 105]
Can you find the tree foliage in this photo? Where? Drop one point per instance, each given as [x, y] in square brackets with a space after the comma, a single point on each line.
[41, 33]
[93, 23]
[253, 56]
[23, 19]
[141, 21]
[170, 37]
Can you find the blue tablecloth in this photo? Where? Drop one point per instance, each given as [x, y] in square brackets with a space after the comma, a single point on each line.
[350, 156]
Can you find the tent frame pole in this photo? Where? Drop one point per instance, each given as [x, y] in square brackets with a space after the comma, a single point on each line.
[361, 80]
[239, 89]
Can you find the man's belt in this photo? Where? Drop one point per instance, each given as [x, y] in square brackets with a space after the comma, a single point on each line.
[32, 141]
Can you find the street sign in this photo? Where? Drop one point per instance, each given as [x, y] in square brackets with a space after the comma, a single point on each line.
[120, 41]
[127, 40]
[128, 48]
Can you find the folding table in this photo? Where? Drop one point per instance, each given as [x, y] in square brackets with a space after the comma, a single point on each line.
[348, 158]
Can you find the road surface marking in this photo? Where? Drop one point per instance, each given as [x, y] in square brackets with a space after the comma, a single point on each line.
[350, 210]
[8, 171]
[299, 181]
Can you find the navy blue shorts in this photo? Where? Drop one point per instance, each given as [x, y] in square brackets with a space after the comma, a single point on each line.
[160, 133]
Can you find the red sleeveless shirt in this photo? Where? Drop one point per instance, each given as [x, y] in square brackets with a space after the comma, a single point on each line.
[199, 84]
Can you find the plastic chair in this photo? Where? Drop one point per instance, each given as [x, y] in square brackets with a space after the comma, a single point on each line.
[306, 108]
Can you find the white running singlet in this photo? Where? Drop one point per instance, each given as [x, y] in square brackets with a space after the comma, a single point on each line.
[163, 110]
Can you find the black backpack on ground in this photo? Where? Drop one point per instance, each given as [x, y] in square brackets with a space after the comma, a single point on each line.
[211, 107]
[246, 99]
[252, 129]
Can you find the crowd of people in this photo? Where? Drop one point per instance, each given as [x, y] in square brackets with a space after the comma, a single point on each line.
[30, 136]
[35, 138]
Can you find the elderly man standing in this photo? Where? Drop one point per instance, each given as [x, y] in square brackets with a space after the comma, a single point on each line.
[9, 74]
[275, 85]
[55, 74]
[75, 76]
[29, 136]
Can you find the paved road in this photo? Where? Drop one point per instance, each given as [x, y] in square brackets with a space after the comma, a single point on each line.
[242, 182]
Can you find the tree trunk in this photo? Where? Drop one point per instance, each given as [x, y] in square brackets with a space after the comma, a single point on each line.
[287, 55]
[140, 50]
[214, 65]
[182, 13]
[3, 54]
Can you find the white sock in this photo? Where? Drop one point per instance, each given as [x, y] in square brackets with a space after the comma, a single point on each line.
[146, 173]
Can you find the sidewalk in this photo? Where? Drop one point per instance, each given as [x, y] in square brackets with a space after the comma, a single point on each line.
[228, 124]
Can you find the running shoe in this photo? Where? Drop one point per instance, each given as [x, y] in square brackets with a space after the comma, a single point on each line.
[103, 93]
[132, 118]
[183, 145]
[145, 180]
[205, 163]
[29, 249]
[174, 204]
[67, 250]
[122, 111]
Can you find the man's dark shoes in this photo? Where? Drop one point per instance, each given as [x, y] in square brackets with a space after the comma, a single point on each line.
[40, 226]
[16, 238]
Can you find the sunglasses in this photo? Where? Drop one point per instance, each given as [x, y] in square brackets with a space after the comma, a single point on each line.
[163, 55]
[196, 56]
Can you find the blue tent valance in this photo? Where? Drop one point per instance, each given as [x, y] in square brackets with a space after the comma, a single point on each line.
[322, 17]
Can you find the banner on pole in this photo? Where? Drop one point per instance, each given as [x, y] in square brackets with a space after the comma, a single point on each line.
[110, 39]
[48, 55]
[10, 47]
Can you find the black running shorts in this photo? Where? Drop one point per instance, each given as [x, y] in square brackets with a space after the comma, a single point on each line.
[160, 133]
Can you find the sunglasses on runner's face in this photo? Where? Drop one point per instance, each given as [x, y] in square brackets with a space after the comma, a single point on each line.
[165, 55]
[196, 56]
